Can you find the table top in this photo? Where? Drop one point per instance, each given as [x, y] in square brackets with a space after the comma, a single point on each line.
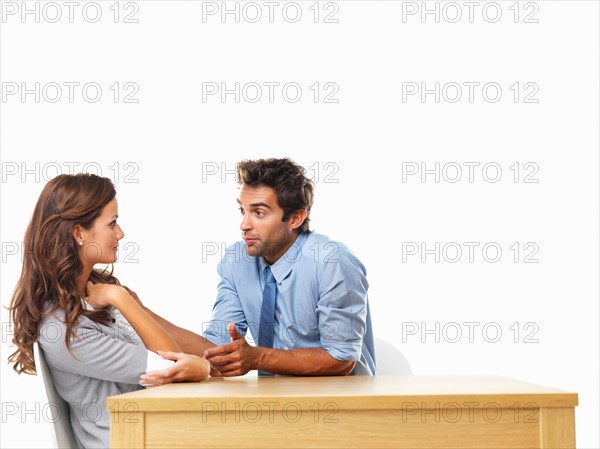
[349, 392]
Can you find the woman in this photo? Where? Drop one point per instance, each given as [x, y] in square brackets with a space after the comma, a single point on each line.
[94, 333]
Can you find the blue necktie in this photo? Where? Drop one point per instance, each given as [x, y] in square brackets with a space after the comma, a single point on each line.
[267, 313]
[266, 329]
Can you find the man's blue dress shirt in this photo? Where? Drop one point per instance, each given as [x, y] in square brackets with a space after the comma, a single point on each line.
[321, 299]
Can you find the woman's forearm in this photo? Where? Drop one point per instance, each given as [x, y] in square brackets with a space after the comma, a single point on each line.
[190, 342]
[151, 333]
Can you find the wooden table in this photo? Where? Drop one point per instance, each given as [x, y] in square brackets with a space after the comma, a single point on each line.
[346, 412]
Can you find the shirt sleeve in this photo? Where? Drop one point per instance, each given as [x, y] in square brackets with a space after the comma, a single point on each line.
[227, 308]
[97, 351]
[342, 306]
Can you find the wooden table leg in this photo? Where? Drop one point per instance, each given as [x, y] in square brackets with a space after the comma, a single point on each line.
[128, 430]
[557, 428]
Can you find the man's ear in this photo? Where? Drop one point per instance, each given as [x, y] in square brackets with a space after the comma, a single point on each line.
[297, 218]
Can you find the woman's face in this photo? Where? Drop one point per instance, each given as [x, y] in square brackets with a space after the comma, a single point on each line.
[101, 241]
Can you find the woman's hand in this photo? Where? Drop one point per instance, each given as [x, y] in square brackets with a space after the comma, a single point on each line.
[187, 367]
[102, 295]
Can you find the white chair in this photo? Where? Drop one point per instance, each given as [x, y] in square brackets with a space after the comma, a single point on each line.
[389, 359]
[61, 430]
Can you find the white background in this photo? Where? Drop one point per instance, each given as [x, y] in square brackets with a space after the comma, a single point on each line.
[162, 152]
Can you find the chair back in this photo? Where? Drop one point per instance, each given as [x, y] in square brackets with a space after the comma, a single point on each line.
[390, 359]
[60, 419]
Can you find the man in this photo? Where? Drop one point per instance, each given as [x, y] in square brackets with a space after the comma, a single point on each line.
[303, 296]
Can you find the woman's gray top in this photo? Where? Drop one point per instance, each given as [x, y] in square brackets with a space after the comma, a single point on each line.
[108, 361]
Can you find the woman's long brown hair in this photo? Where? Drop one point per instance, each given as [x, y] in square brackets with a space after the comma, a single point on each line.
[52, 263]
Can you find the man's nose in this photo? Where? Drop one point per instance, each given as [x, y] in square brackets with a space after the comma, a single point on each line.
[246, 223]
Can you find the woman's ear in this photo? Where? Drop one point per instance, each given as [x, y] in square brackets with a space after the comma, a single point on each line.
[78, 234]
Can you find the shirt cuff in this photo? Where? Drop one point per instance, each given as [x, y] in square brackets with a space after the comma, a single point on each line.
[154, 362]
[345, 352]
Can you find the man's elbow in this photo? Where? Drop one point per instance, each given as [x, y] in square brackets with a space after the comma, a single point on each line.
[349, 368]
[343, 368]
[327, 365]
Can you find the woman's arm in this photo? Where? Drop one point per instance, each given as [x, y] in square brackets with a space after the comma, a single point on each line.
[190, 342]
[94, 351]
[155, 338]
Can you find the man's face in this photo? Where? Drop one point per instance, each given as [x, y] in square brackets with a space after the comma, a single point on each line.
[263, 231]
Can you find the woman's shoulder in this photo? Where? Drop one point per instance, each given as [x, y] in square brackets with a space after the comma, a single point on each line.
[51, 330]
[53, 326]
[52, 316]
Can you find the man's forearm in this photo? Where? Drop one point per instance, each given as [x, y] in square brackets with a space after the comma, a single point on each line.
[190, 342]
[303, 362]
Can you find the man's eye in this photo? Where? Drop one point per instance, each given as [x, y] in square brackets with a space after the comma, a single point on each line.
[241, 211]
[260, 213]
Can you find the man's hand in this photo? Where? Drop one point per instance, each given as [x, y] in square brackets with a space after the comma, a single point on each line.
[187, 367]
[235, 358]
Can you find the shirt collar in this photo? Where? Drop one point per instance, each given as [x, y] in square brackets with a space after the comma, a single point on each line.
[282, 268]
